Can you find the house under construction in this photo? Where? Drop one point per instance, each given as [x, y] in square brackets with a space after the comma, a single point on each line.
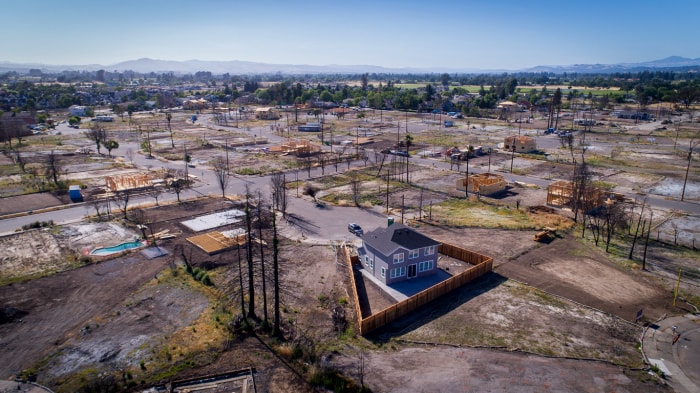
[483, 183]
[215, 242]
[296, 148]
[134, 180]
[561, 194]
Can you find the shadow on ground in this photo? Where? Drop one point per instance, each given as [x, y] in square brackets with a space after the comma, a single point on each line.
[437, 308]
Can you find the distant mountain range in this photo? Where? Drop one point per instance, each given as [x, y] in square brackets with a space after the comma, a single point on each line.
[146, 65]
[669, 63]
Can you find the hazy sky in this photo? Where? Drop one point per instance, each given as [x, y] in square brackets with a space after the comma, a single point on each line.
[466, 34]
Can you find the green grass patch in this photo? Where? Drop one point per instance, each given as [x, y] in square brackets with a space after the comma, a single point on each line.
[463, 213]
[254, 171]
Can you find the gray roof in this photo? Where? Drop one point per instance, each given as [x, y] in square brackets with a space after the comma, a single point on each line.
[387, 240]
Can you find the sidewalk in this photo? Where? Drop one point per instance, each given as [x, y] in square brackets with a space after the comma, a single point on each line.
[677, 361]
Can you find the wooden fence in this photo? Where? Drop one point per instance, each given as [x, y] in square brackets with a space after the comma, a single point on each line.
[350, 262]
[482, 265]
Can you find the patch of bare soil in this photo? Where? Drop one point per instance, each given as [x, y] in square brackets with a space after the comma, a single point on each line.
[448, 369]
[501, 245]
[584, 274]
[59, 306]
[130, 331]
[23, 203]
[29, 253]
[510, 315]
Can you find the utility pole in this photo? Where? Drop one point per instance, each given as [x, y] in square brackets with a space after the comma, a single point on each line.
[512, 156]
[466, 178]
[227, 170]
[489, 161]
[387, 192]
[687, 168]
[520, 124]
[187, 176]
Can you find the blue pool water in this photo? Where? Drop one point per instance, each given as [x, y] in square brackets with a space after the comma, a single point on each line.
[116, 249]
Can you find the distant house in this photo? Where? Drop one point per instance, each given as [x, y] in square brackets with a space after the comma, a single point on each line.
[195, 104]
[266, 114]
[397, 253]
[521, 144]
[77, 110]
[310, 127]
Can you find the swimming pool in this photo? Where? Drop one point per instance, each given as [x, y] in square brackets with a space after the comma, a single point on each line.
[116, 249]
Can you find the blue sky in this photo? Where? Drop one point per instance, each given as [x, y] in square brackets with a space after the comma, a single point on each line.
[463, 34]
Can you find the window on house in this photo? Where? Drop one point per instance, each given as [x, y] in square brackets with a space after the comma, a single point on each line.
[425, 266]
[383, 272]
[413, 254]
[367, 260]
[398, 272]
[430, 250]
[398, 258]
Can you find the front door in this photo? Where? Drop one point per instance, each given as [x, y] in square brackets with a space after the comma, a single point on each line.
[411, 271]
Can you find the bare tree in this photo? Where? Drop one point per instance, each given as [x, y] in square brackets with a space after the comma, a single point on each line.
[168, 118]
[20, 161]
[308, 164]
[11, 127]
[279, 192]
[52, 167]
[98, 204]
[693, 144]
[582, 198]
[636, 232]
[259, 217]
[249, 256]
[97, 134]
[178, 182]
[220, 167]
[122, 198]
[275, 277]
[154, 191]
[614, 218]
[147, 144]
[355, 188]
[140, 217]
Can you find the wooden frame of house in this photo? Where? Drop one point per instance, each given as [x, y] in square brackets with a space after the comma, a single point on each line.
[522, 143]
[483, 183]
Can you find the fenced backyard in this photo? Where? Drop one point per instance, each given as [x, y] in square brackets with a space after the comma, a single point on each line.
[482, 264]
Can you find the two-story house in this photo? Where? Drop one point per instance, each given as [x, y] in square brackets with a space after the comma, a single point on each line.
[398, 253]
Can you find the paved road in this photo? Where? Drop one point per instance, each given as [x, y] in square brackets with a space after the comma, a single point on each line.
[678, 361]
[330, 221]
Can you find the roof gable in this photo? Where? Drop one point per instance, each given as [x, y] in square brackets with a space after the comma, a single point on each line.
[387, 240]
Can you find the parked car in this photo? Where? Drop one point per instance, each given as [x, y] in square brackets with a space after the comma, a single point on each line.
[355, 229]
[401, 153]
